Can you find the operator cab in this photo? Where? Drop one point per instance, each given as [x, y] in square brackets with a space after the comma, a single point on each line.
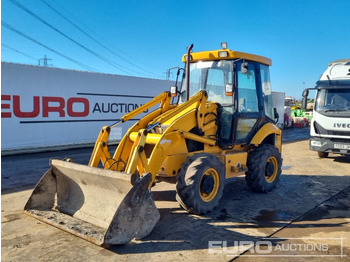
[240, 84]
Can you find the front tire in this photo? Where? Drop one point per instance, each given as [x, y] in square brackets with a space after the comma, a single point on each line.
[200, 183]
[322, 154]
[264, 168]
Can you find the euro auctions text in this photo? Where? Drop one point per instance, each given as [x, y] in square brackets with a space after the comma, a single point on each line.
[45, 106]
[280, 247]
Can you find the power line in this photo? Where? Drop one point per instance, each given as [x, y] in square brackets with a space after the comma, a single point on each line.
[96, 34]
[19, 52]
[91, 37]
[69, 38]
[8, 26]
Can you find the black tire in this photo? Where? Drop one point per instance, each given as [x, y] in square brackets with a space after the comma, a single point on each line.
[200, 183]
[322, 154]
[264, 168]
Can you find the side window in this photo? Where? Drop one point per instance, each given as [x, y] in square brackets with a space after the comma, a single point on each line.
[267, 91]
[247, 94]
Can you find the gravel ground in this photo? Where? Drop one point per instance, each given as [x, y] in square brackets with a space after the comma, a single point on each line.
[309, 208]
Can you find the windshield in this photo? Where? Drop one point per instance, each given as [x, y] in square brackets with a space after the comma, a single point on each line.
[212, 76]
[333, 101]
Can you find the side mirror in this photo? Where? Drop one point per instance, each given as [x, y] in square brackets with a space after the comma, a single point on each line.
[276, 115]
[305, 93]
[244, 67]
[173, 91]
[304, 102]
[229, 90]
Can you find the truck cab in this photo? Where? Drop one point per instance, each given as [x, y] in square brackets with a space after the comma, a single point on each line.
[330, 126]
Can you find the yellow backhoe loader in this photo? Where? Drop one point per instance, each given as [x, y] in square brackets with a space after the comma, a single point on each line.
[219, 124]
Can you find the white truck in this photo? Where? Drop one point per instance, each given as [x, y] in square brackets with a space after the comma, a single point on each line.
[330, 125]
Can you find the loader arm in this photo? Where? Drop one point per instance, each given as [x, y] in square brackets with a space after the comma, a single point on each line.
[167, 127]
[100, 151]
[164, 135]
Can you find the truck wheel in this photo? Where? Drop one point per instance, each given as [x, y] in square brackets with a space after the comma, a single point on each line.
[322, 154]
[200, 183]
[264, 168]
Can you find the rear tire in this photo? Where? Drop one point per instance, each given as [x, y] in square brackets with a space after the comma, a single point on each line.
[322, 154]
[200, 183]
[264, 168]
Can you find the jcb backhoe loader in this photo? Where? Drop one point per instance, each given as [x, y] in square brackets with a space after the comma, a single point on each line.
[219, 124]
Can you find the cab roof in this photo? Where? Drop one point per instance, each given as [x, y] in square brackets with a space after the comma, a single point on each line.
[214, 55]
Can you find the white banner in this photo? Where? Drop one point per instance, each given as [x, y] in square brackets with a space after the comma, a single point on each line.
[45, 107]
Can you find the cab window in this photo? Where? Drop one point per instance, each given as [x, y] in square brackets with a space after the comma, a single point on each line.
[247, 94]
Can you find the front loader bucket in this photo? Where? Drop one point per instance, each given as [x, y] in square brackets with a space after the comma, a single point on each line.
[98, 205]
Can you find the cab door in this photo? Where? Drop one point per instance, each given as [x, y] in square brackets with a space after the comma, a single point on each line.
[249, 110]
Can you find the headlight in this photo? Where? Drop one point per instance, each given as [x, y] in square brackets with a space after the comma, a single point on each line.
[223, 54]
[315, 143]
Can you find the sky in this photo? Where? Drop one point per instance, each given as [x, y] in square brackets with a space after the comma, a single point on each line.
[146, 38]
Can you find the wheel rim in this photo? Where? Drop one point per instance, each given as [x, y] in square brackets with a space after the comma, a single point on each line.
[271, 169]
[209, 185]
